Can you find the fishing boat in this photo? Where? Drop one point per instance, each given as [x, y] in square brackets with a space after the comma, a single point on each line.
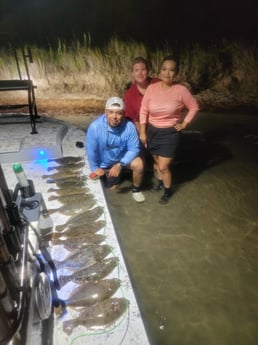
[32, 300]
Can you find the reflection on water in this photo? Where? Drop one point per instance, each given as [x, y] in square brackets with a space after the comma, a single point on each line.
[194, 262]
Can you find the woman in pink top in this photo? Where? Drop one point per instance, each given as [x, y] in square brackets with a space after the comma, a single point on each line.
[161, 121]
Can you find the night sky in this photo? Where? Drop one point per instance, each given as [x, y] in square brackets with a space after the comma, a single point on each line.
[152, 22]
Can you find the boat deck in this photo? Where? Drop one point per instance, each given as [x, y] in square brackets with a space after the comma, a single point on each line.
[57, 139]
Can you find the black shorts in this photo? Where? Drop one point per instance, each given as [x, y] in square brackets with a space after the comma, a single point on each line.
[162, 141]
[111, 181]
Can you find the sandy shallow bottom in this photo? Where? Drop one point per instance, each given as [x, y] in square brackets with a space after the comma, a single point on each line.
[193, 262]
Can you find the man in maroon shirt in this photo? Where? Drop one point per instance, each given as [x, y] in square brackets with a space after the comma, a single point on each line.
[133, 96]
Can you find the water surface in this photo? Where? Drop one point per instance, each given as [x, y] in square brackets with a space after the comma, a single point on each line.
[194, 262]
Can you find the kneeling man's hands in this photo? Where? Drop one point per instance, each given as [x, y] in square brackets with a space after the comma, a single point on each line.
[94, 175]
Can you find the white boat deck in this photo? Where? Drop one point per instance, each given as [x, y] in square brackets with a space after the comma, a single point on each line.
[56, 139]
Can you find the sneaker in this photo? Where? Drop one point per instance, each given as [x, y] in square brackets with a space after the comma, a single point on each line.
[138, 196]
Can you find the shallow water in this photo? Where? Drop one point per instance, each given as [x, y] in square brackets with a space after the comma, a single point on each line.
[194, 262]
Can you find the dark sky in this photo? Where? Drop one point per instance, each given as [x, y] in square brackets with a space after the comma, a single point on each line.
[152, 21]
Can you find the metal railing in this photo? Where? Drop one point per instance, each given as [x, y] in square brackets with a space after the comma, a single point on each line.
[22, 84]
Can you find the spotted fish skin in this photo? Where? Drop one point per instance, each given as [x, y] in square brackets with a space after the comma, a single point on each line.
[67, 190]
[92, 273]
[69, 198]
[62, 174]
[72, 231]
[93, 292]
[102, 314]
[69, 167]
[80, 242]
[70, 179]
[72, 243]
[67, 159]
[84, 257]
[72, 209]
[82, 218]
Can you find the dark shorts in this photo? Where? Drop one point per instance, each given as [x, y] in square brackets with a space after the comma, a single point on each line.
[111, 181]
[162, 141]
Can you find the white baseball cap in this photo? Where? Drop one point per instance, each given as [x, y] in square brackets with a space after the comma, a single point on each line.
[115, 103]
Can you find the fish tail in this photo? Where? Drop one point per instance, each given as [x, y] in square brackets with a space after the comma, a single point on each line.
[57, 265]
[69, 325]
[52, 197]
[45, 176]
[50, 180]
[46, 232]
[68, 247]
[63, 280]
[51, 190]
[49, 211]
[44, 240]
[60, 228]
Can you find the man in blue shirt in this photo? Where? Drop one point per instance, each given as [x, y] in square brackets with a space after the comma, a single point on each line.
[112, 144]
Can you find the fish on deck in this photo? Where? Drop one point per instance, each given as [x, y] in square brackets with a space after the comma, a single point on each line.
[72, 243]
[84, 257]
[67, 180]
[93, 292]
[62, 174]
[94, 272]
[67, 159]
[82, 218]
[67, 167]
[76, 189]
[69, 198]
[71, 230]
[71, 209]
[102, 314]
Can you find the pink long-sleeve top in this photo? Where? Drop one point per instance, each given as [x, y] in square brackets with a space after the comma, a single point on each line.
[163, 107]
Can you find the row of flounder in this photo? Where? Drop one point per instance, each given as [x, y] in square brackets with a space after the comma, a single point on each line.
[88, 259]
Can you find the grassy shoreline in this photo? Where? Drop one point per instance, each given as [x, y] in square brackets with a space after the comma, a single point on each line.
[80, 77]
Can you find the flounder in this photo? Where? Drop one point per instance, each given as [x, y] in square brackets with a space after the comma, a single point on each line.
[72, 243]
[68, 198]
[67, 160]
[92, 273]
[102, 314]
[61, 175]
[84, 256]
[93, 292]
[68, 167]
[72, 209]
[71, 230]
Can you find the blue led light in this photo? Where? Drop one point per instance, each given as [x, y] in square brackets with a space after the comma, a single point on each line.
[42, 153]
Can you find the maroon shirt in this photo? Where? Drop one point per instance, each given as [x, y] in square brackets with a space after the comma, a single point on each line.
[133, 100]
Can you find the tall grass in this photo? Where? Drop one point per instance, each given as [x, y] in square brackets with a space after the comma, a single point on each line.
[78, 70]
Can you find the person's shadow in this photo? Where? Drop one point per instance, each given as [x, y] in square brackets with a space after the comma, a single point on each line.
[197, 153]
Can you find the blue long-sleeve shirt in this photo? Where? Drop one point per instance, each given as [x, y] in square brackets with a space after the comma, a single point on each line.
[106, 146]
